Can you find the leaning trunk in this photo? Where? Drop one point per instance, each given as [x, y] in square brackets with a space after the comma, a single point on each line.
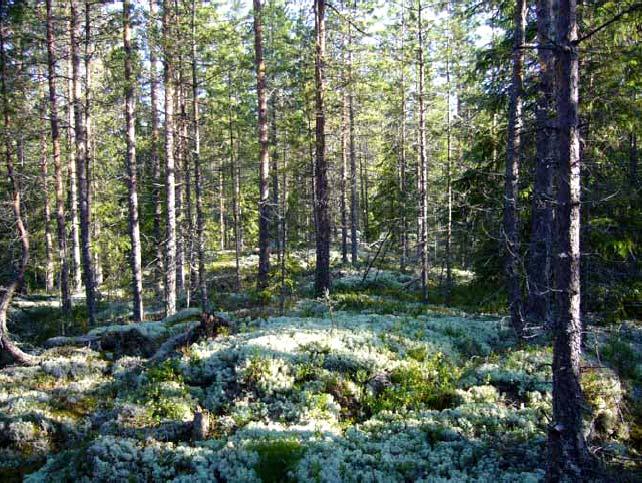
[6, 345]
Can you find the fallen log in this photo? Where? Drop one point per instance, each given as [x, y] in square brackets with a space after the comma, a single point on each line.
[91, 341]
[210, 327]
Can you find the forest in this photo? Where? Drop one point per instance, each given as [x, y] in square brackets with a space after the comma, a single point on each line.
[310, 240]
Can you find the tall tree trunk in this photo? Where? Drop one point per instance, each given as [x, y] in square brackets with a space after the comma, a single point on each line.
[264, 153]
[81, 166]
[354, 199]
[402, 148]
[157, 181]
[55, 143]
[511, 183]
[274, 173]
[344, 180]
[221, 206]
[539, 264]
[170, 180]
[89, 148]
[284, 225]
[322, 274]
[423, 163]
[180, 178]
[130, 160]
[73, 178]
[188, 219]
[567, 452]
[44, 173]
[6, 344]
[449, 186]
[236, 192]
[198, 184]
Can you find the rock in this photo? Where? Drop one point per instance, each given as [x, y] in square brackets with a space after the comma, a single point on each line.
[200, 426]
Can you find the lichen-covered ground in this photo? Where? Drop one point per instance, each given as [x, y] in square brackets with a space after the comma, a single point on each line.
[367, 385]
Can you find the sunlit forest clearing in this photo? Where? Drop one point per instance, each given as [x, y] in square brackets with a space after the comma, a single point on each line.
[292, 240]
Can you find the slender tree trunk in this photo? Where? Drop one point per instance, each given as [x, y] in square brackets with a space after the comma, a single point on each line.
[423, 163]
[274, 173]
[73, 178]
[284, 225]
[236, 193]
[188, 220]
[198, 184]
[55, 143]
[538, 264]
[221, 206]
[130, 160]
[264, 153]
[633, 159]
[513, 161]
[363, 171]
[180, 178]
[402, 149]
[170, 180]
[157, 181]
[6, 345]
[322, 275]
[449, 187]
[567, 452]
[344, 180]
[89, 148]
[44, 173]
[354, 199]
[81, 166]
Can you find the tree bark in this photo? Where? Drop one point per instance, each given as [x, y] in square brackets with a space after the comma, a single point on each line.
[89, 148]
[179, 124]
[44, 173]
[198, 184]
[130, 160]
[539, 264]
[567, 452]
[402, 149]
[170, 180]
[157, 181]
[6, 344]
[423, 163]
[55, 143]
[511, 181]
[264, 153]
[449, 186]
[81, 167]
[354, 197]
[236, 192]
[322, 273]
[344, 180]
[73, 178]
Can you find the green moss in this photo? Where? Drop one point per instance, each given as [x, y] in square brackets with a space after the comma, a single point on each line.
[622, 356]
[277, 459]
[417, 385]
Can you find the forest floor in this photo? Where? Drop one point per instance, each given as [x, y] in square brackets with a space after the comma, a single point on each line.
[366, 385]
